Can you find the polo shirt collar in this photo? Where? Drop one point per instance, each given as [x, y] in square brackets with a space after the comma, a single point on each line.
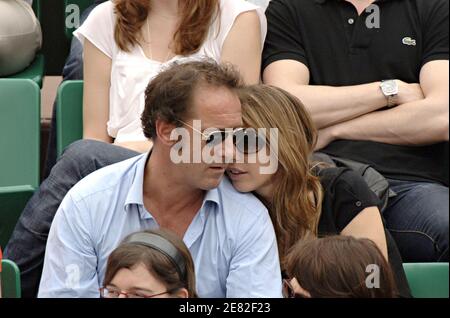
[323, 1]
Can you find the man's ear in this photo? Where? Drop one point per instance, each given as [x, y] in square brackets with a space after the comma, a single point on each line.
[164, 131]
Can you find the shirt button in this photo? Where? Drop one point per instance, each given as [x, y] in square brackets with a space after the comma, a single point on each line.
[351, 21]
[358, 204]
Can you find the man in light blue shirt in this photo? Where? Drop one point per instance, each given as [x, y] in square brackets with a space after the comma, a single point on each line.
[229, 234]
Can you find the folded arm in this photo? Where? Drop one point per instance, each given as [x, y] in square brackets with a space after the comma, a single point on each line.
[417, 123]
[330, 105]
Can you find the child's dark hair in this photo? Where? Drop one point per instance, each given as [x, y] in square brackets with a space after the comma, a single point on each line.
[336, 267]
[160, 264]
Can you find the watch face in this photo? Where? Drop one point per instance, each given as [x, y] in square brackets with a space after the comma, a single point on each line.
[390, 88]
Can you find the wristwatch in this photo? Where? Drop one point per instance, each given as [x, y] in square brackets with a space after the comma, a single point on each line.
[390, 90]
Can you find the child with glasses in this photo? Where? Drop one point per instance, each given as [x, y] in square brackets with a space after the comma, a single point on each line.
[150, 264]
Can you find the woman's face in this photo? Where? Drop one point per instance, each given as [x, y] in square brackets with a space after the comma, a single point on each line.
[138, 281]
[247, 177]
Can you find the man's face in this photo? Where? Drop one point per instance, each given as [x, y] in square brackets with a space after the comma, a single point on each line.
[219, 108]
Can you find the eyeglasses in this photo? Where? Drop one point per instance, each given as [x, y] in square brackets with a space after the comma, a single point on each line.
[109, 292]
[246, 141]
[288, 290]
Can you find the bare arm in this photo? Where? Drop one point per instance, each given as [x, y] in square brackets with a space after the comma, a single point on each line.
[97, 82]
[243, 46]
[368, 224]
[416, 123]
[329, 105]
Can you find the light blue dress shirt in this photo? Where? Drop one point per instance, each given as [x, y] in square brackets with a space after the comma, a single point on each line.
[231, 239]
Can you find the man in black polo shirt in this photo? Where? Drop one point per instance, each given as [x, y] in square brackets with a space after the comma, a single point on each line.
[375, 77]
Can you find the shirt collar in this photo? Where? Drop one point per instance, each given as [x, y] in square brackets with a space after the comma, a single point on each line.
[136, 190]
[135, 193]
[212, 196]
[323, 1]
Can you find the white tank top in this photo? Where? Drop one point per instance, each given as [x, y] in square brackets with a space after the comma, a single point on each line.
[132, 71]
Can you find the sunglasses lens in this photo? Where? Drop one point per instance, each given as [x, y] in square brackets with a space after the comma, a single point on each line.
[248, 141]
[215, 138]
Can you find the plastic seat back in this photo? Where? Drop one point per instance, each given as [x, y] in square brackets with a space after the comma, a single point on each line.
[69, 114]
[10, 283]
[427, 280]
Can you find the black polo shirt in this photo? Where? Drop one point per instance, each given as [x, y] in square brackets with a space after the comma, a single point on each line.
[340, 49]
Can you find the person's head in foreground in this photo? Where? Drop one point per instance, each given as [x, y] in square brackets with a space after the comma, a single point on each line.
[338, 267]
[150, 264]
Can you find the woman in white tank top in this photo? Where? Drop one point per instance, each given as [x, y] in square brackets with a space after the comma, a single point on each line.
[120, 57]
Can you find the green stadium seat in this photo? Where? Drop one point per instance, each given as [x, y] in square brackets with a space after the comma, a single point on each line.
[82, 5]
[37, 8]
[20, 144]
[428, 280]
[10, 280]
[69, 114]
[36, 70]
[12, 203]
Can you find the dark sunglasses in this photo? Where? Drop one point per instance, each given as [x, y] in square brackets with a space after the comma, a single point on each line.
[246, 141]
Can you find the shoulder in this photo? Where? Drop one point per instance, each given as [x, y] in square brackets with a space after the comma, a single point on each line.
[428, 10]
[342, 179]
[236, 204]
[231, 10]
[233, 7]
[430, 5]
[105, 9]
[294, 6]
[242, 217]
[102, 18]
[346, 188]
[106, 180]
[346, 194]
[330, 176]
[99, 27]
[240, 13]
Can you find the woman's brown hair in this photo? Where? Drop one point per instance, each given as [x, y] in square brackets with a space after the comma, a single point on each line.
[336, 267]
[196, 17]
[296, 203]
[128, 255]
